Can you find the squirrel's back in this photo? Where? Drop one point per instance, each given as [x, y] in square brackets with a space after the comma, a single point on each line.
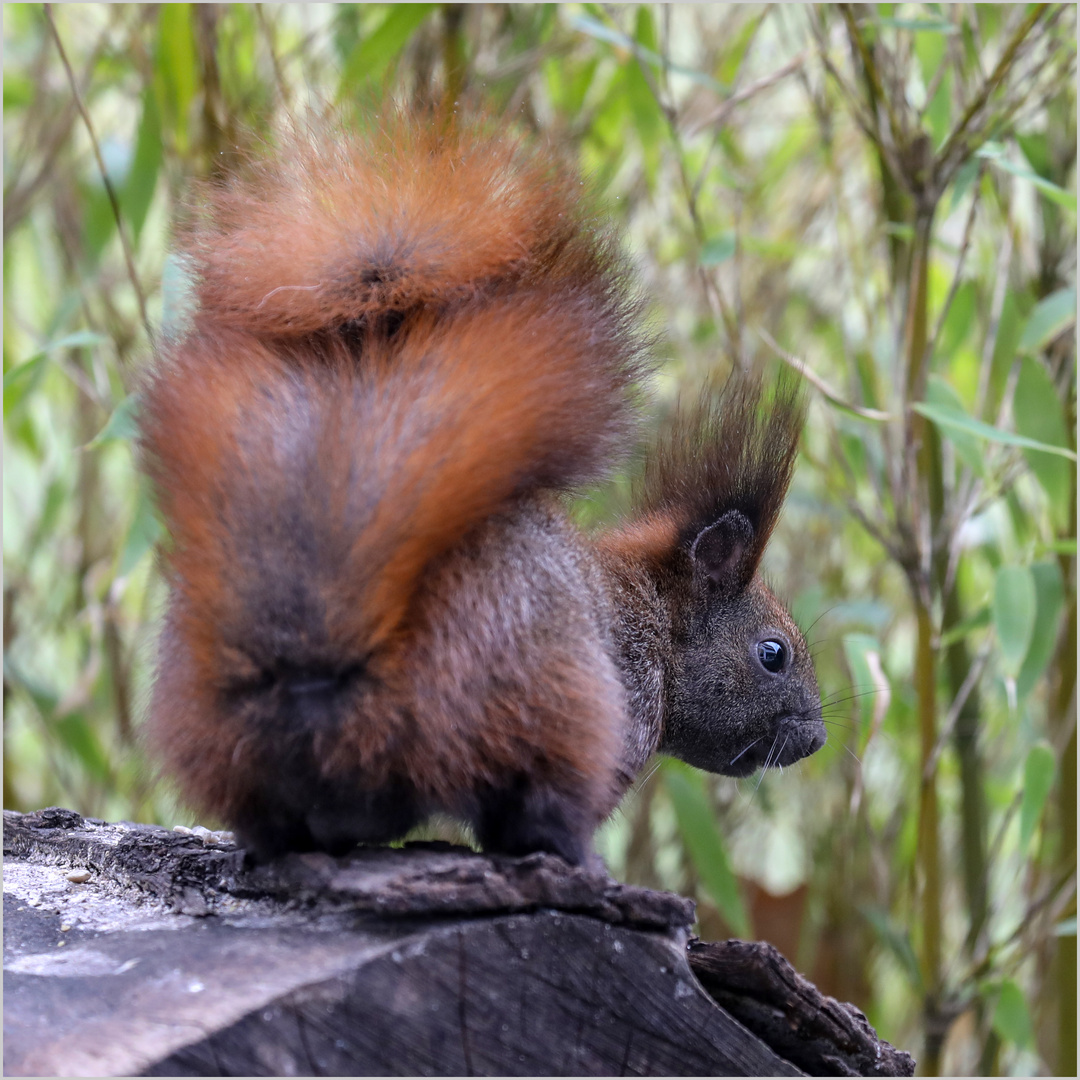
[403, 341]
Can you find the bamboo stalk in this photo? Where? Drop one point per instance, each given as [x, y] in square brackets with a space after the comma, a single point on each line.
[929, 499]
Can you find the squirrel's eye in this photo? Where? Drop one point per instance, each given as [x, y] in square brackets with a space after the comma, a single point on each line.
[772, 655]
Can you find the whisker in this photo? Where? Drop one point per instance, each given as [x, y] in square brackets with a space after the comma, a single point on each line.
[819, 618]
[639, 785]
[830, 703]
[768, 761]
[744, 749]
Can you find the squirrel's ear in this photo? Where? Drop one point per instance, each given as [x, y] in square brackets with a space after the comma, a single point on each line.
[721, 552]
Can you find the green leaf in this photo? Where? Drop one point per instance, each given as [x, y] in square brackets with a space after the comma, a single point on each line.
[1039, 415]
[373, 55]
[1007, 340]
[961, 185]
[1012, 1021]
[938, 113]
[1039, 770]
[176, 69]
[1052, 315]
[719, 249]
[20, 380]
[649, 123]
[138, 192]
[930, 50]
[956, 421]
[570, 88]
[994, 153]
[123, 424]
[941, 395]
[1036, 149]
[959, 321]
[1066, 928]
[733, 55]
[98, 220]
[697, 825]
[1014, 605]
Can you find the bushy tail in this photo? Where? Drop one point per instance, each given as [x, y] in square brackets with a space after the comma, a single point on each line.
[395, 338]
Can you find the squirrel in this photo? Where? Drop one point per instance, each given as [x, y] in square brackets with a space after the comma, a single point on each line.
[410, 345]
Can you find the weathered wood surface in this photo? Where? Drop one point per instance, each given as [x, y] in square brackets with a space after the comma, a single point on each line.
[767, 995]
[171, 959]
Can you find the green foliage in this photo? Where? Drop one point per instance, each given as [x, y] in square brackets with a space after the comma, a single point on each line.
[705, 844]
[887, 192]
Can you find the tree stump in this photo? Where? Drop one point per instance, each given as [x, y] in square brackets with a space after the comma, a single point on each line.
[132, 950]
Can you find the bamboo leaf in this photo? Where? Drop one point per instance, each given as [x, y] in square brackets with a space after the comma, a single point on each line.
[995, 154]
[1014, 606]
[1012, 1021]
[950, 421]
[1052, 315]
[20, 380]
[138, 191]
[697, 825]
[941, 395]
[373, 55]
[1039, 415]
[175, 72]
[122, 425]
[1039, 770]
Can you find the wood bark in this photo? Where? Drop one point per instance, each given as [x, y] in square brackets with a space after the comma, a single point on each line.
[132, 950]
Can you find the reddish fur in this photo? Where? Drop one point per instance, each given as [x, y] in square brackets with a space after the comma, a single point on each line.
[504, 374]
[458, 209]
[648, 541]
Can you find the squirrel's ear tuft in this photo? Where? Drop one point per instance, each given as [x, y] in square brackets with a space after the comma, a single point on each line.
[723, 552]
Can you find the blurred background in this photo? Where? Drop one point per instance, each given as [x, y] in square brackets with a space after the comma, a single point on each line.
[881, 196]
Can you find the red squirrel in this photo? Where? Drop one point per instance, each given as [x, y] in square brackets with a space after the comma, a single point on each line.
[409, 346]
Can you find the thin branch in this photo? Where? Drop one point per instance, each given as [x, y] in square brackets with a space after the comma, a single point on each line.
[952, 144]
[819, 383]
[284, 94]
[969, 683]
[870, 67]
[864, 119]
[713, 293]
[955, 285]
[110, 191]
[720, 114]
[997, 304]
[877, 529]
